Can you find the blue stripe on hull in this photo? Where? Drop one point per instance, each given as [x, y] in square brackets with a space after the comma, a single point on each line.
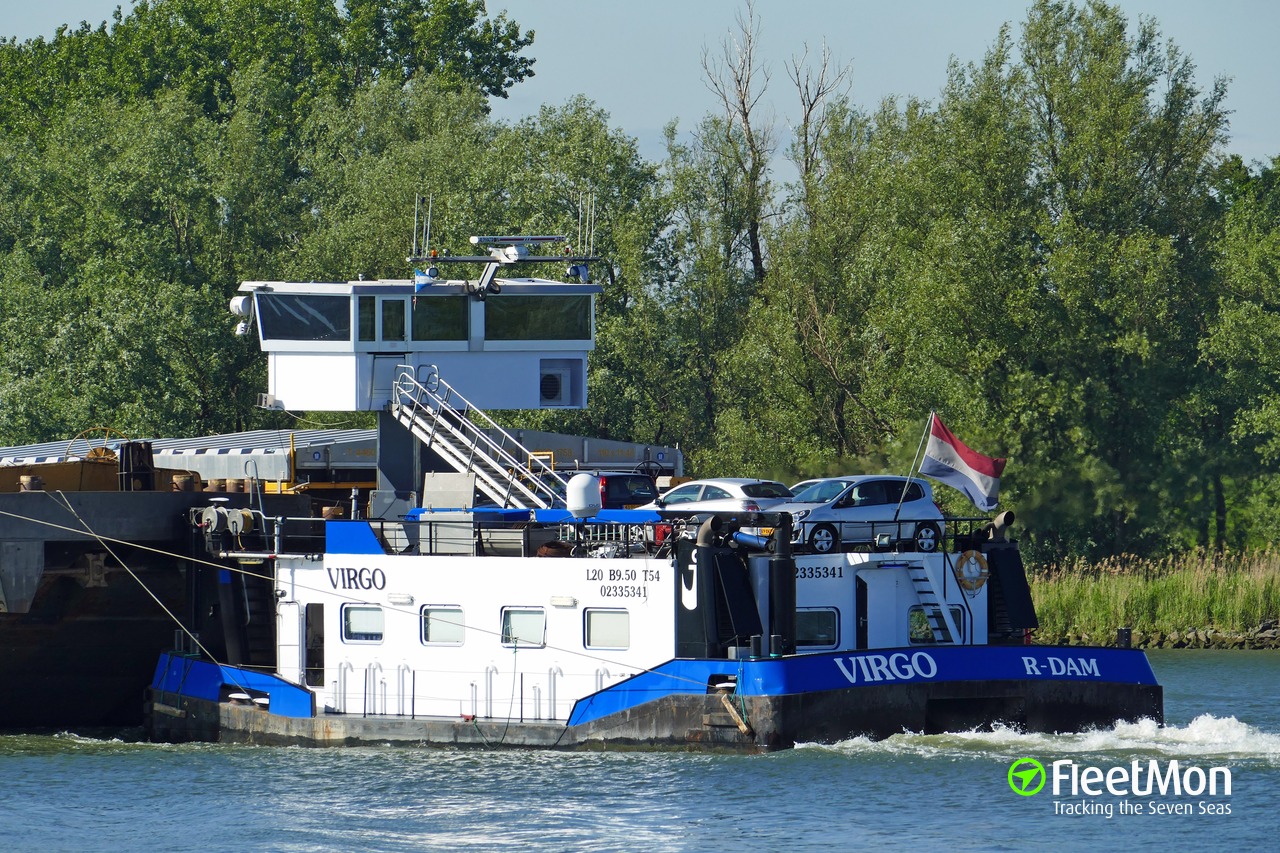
[841, 670]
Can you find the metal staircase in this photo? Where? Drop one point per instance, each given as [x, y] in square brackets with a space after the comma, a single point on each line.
[934, 605]
[472, 443]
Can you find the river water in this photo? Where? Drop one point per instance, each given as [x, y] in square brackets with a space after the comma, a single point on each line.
[944, 792]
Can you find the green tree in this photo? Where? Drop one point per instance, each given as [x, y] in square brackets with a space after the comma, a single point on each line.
[1124, 146]
[153, 164]
[1031, 259]
[415, 38]
[1244, 400]
[363, 165]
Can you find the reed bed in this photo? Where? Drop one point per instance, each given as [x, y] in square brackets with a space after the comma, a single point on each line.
[1231, 592]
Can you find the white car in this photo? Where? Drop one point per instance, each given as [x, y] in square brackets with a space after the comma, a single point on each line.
[723, 494]
[830, 513]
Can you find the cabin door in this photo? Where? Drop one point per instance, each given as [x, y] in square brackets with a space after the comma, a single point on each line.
[289, 641]
[384, 377]
[313, 657]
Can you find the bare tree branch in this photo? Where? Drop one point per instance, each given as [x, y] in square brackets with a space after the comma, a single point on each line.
[737, 79]
[815, 91]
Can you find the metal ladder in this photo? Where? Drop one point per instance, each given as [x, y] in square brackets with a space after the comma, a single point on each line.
[446, 422]
[934, 605]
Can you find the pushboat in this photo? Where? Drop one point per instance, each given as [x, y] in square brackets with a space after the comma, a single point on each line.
[531, 617]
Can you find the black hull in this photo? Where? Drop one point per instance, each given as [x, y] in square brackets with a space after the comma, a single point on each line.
[713, 723]
[86, 620]
[84, 656]
[881, 711]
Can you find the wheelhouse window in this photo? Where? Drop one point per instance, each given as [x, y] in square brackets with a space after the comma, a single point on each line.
[304, 317]
[393, 328]
[920, 623]
[817, 627]
[442, 626]
[368, 318]
[440, 318]
[538, 318]
[362, 623]
[524, 626]
[606, 629]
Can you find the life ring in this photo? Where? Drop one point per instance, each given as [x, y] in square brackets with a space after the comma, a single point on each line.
[971, 572]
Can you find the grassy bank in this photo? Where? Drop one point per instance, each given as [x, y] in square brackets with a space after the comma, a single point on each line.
[1175, 601]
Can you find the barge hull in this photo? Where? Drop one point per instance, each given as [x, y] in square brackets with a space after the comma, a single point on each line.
[83, 618]
[690, 722]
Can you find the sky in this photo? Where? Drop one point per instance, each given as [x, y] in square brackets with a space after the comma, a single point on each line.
[641, 60]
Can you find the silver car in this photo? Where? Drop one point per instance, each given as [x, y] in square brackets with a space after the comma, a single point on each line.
[723, 494]
[831, 513]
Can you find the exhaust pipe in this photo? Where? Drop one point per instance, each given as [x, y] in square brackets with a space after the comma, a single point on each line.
[707, 531]
[1000, 526]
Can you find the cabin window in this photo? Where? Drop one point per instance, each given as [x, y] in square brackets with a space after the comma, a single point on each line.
[442, 626]
[524, 626]
[817, 627]
[538, 318]
[368, 318]
[302, 317]
[607, 629]
[393, 320]
[314, 633]
[919, 627]
[362, 623]
[440, 318]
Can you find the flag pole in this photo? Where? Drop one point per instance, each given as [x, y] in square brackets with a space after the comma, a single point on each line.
[928, 428]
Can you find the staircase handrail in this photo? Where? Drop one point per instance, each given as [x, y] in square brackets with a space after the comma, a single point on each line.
[426, 394]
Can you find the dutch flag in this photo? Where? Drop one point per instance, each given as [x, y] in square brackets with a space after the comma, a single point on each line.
[948, 460]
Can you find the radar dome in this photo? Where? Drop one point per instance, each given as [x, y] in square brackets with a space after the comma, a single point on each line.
[583, 496]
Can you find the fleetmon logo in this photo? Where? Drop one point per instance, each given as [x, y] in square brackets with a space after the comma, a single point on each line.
[1026, 777]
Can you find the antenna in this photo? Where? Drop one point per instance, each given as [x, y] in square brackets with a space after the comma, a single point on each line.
[417, 202]
[591, 225]
[426, 239]
[586, 223]
[426, 226]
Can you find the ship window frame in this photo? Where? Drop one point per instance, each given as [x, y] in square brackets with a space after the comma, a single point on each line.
[957, 616]
[442, 608]
[439, 319]
[366, 319]
[393, 320]
[313, 645]
[539, 317]
[305, 317]
[834, 613]
[588, 633]
[511, 639]
[362, 637]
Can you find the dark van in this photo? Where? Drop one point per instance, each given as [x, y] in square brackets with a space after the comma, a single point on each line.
[619, 490]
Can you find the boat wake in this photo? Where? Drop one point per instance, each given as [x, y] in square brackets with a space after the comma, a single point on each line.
[1205, 737]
